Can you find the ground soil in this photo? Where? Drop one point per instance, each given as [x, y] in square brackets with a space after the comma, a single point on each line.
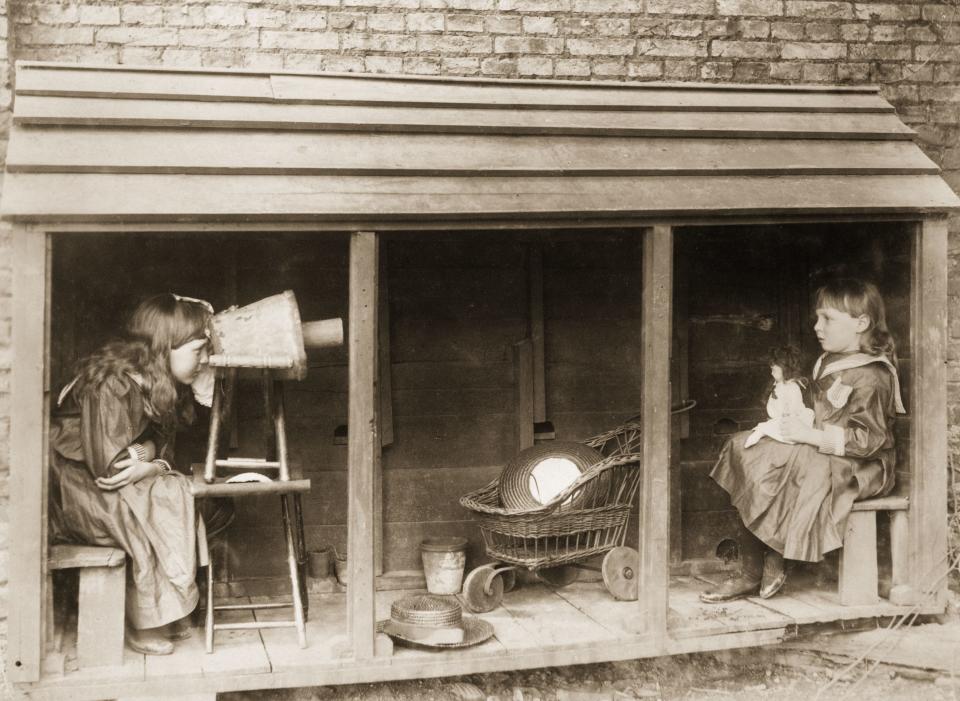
[744, 675]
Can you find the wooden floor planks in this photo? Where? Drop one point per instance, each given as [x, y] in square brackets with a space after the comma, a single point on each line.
[688, 616]
[621, 618]
[533, 618]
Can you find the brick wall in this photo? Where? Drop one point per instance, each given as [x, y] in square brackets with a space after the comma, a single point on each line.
[910, 47]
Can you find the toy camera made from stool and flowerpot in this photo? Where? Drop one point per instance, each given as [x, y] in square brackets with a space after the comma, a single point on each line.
[268, 334]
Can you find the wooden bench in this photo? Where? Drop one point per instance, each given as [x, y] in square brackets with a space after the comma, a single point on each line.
[100, 609]
[859, 577]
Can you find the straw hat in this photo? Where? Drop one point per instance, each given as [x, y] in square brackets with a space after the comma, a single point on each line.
[435, 622]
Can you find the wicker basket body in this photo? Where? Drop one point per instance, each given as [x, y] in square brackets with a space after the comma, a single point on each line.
[552, 534]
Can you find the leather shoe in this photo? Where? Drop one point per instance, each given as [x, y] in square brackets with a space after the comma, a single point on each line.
[148, 642]
[774, 574]
[178, 630]
[734, 587]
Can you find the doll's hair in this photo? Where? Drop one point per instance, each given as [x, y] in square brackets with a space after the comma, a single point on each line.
[790, 360]
[158, 325]
[857, 297]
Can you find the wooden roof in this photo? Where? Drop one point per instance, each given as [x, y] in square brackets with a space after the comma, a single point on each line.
[120, 144]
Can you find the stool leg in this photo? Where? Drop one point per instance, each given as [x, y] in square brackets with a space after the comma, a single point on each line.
[100, 616]
[280, 430]
[858, 560]
[208, 623]
[210, 464]
[288, 531]
[301, 549]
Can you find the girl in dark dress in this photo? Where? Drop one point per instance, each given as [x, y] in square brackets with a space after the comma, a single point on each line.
[794, 498]
[112, 483]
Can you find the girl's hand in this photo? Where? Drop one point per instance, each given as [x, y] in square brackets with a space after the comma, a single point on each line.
[130, 473]
[793, 429]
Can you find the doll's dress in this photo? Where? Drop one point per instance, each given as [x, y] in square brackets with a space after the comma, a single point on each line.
[785, 399]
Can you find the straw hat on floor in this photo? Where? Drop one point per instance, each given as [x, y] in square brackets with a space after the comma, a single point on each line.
[425, 620]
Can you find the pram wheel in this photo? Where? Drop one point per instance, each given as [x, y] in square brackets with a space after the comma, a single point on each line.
[559, 576]
[620, 574]
[509, 578]
[483, 589]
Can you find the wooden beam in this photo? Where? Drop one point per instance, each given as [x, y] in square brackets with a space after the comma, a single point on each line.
[523, 392]
[27, 197]
[384, 406]
[278, 116]
[93, 149]
[363, 442]
[655, 410]
[928, 407]
[28, 456]
[559, 229]
[535, 281]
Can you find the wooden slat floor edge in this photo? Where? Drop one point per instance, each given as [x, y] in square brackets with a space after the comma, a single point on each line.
[746, 87]
[464, 173]
[411, 666]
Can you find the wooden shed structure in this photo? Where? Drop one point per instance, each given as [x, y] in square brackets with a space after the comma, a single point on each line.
[650, 241]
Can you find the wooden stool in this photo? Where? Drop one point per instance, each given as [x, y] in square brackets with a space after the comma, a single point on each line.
[207, 484]
[100, 609]
[859, 578]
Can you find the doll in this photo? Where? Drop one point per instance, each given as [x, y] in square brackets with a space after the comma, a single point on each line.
[785, 397]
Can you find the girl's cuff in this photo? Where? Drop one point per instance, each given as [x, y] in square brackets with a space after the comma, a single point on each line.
[832, 440]
[165, 467]
[137, 452]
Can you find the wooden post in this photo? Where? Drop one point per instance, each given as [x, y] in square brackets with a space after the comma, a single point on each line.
[535, 280]
[363, 443]
[28, 455]
[655, 411]
[523, 392]
[384, 406]
[928, 406]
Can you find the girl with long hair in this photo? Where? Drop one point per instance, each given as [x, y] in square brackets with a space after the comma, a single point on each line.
[112, 482]
[794, 497]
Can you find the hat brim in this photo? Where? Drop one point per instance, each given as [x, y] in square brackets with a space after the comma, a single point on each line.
[475, 631]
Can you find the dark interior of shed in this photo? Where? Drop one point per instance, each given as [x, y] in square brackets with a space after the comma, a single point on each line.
[455, 305]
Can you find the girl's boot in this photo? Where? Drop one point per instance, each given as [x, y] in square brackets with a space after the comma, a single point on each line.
[747, 582]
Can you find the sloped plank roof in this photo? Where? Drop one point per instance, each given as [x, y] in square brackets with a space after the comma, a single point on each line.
[126, 144]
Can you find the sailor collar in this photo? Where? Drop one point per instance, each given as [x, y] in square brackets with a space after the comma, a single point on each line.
[858, 360]
[137, 379]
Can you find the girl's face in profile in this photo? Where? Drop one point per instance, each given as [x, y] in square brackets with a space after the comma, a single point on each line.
[837, 331]
[187, 360]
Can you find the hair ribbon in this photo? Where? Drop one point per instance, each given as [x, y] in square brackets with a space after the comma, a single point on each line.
[202, 302]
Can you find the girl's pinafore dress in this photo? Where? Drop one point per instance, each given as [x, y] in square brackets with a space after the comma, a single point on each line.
[153, 520]
[796, 497]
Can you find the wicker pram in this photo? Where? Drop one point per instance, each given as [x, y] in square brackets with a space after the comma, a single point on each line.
[587, 518]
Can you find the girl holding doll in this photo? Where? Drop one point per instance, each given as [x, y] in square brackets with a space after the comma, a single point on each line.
[794, 497]
[112, 483]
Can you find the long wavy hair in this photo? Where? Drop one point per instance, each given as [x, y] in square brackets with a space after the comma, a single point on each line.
[158, 325]
[857, 297]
